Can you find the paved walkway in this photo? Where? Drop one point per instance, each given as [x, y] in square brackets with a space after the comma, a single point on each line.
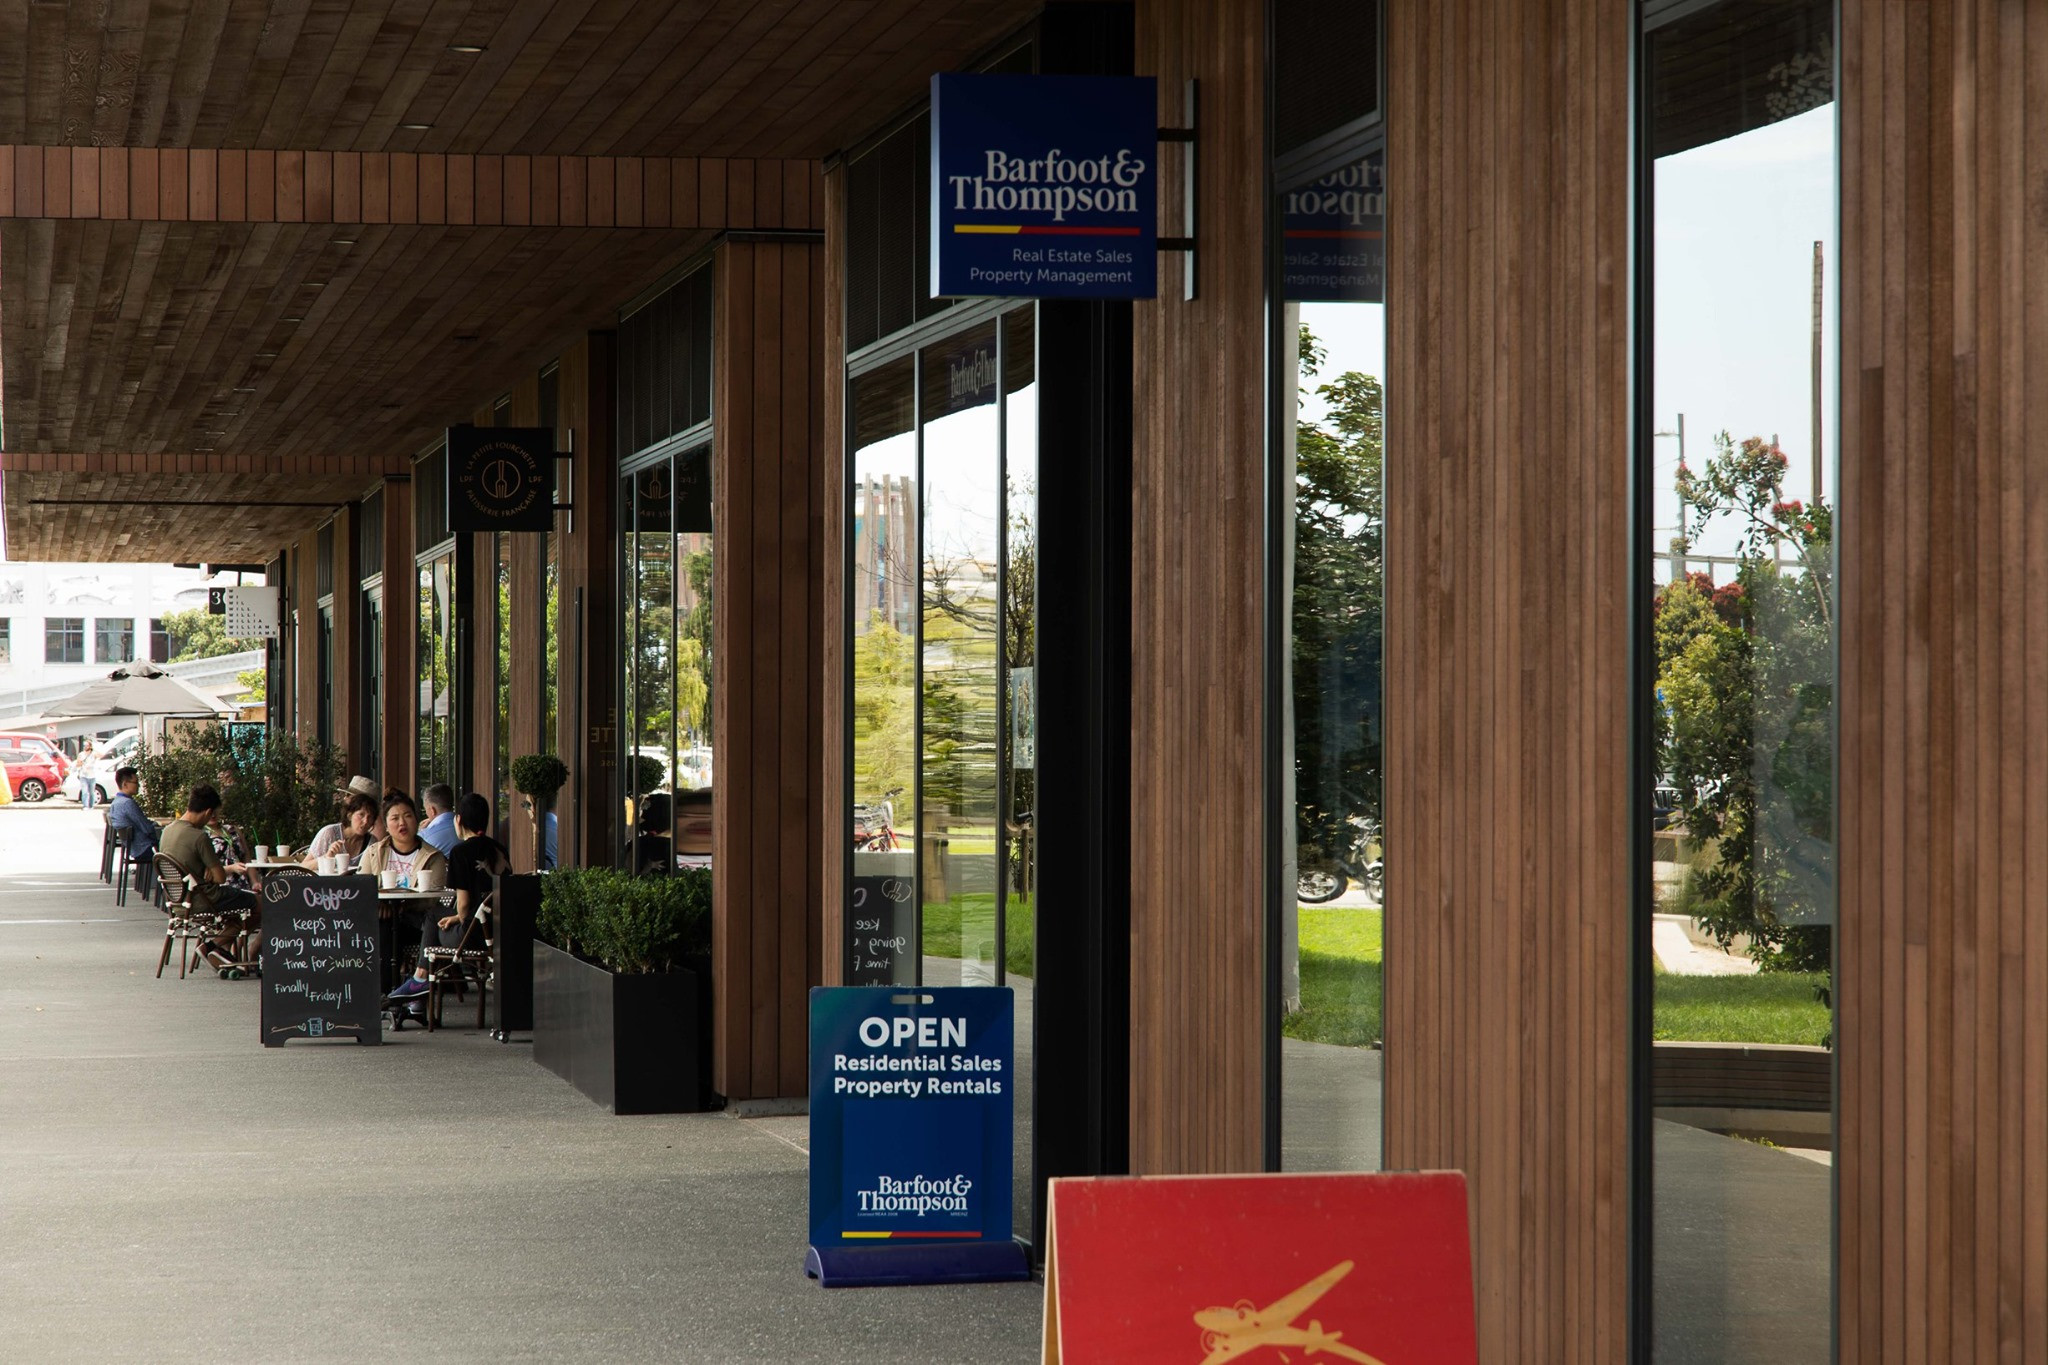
[171, 1191]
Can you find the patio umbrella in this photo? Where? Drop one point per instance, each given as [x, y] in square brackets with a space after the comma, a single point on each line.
[139, 689]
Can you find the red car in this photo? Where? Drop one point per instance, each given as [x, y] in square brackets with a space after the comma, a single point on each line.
[34, 767]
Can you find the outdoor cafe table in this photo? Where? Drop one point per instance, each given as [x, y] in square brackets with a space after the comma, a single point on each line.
[391, 900]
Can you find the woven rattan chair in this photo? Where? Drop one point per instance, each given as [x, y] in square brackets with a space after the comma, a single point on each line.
[469, 961]
[188, 917]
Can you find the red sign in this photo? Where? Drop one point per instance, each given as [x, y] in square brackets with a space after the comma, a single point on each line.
[1204, 1270]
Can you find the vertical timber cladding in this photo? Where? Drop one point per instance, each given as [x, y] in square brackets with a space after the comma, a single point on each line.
[1941, 943]
[399, 743]
[1507, 666]
[1197, 622]
[588, 709]
[479, 555]
[768, 720]
[835, 820]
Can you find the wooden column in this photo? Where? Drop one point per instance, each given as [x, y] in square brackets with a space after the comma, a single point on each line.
[588, 809]
[400, 741]
[1197, 622]
[767, 558]
[835, 820]
[1942, 925]
[1507, 668]
[347, 636]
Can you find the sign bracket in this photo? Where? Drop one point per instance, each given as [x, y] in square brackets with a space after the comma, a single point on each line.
[1188, 137]
[569, 506]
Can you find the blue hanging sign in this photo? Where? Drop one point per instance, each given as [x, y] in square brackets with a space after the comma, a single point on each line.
[1333, 246]
[912, 1101]
[1045, 187]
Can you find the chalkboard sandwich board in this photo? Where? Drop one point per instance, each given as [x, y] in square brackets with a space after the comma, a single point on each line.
[320, 971]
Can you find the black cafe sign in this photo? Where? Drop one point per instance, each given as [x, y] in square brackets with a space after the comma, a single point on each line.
[501, 479]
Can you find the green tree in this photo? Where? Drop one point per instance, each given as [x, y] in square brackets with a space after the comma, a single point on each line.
[1746, 675]
[1339, 592]
[197, 634]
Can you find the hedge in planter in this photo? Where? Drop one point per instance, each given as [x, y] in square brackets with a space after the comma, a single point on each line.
[622, 987]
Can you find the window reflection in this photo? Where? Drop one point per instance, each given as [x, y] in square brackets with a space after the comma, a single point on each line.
[884, 574]
[1017, 866]
[1744, 193]
[1333, 562]
[435, 759]
[959, 652]
[692, 769]
[650, 757]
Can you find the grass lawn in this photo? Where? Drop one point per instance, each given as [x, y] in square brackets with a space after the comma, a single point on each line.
[943, 919]
[1341, 993]
[1340, 978]
[1770, 1007]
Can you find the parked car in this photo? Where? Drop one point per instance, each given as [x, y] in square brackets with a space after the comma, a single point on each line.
[35, 768]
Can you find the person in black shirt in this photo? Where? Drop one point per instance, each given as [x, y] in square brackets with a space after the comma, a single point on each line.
[474, 862]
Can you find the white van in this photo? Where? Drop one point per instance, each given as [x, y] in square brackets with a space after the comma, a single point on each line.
[107, 758]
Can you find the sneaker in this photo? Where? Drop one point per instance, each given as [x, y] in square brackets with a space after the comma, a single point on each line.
[408, 988]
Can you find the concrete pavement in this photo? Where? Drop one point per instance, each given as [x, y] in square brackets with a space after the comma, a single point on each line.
[172, 1191]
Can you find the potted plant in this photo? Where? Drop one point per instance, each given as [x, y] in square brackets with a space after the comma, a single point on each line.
[538, 777]
[622, 987]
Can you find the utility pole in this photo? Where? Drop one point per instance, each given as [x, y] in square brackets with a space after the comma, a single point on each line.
[1678, 564]
[1819, 287]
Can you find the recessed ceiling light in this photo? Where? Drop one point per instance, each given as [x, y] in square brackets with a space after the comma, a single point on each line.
[416, 127]
[343, 241]
[294, 319]
[266, 355]
[314, 284]
[251, 388]
[467, 49]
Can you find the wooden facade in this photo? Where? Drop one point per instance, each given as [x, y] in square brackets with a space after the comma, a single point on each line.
[1942, 929]
[830, 773]
[1197, 996]
[398, 747]
[1507, 669]
[767, 558]
[587, 812]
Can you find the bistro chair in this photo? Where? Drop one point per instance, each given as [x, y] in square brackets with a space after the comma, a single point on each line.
[128, 865]
[469, 959]
[190, 917]
[107, 842]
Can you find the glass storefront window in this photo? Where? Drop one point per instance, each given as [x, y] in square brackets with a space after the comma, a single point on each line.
[436, 658]
[959, 659]
[691, 760]
[1332, 877]
[649, 761]
[943, 631]
[501, 616]
[1743, 193]
[883, 595]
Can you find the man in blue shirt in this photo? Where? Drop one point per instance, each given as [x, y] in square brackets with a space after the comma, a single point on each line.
[439, 829]
[125, 812]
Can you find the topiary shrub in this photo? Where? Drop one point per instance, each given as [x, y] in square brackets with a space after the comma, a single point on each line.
[647, 774]
[628, 924]
[539, 776]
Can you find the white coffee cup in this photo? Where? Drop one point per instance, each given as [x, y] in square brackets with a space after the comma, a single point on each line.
[388, 879]
[430, 879]
[331, 865]
[263, 853]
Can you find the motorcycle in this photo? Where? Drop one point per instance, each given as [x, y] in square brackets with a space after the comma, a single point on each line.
[1323, 876]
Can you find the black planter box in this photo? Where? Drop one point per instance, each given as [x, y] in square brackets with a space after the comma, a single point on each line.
[511, 1005]
[634, 1044]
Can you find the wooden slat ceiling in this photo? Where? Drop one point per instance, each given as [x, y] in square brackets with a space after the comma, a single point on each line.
[294, 339]
[275, 338]
[588, 77]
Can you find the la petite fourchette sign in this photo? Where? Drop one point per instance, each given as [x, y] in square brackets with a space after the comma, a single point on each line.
[1045, 186]
[501, 479]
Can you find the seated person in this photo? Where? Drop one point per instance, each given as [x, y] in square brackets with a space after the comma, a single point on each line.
[126, 813]
[656, 851]
[185, 839]
[476, 860]
[401, 849]
[349, 835]
[439, 830]
[693, 823]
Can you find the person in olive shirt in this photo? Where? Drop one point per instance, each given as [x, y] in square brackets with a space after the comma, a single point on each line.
[471, 865]
[186, 840]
